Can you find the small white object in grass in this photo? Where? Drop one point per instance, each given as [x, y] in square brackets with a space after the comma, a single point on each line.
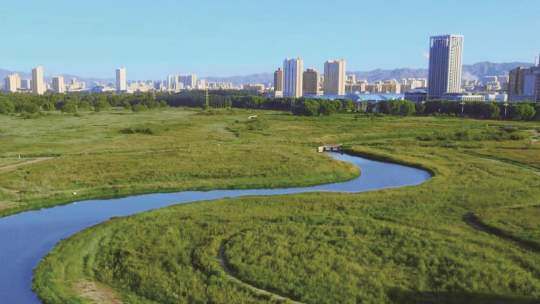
[252, 117]
[74, 193]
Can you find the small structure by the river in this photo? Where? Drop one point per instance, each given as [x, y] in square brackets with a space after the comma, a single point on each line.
[330, 148]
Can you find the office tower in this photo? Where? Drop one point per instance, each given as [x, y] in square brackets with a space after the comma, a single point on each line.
[58, 84]
[189, 81]
[445, 66]
[12, 83]
[310, 82]
[334, 77]
[38, 81]
[25, 84]
[202, 84]
[173, 83]
[522, 82]
[121, 80]
[292, 77]
[537, 82]
[391, 87]
[537, 85]
[278, 80]
[351, 79]
[515, 81]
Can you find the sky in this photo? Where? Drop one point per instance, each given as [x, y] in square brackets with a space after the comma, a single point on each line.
[153, 38]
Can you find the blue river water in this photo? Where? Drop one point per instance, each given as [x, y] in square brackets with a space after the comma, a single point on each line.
[25, 238]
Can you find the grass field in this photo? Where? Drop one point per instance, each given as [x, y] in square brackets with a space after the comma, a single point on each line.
[120, 152]
[408, 245]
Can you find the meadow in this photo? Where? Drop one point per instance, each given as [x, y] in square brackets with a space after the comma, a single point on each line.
[408, 245]
[119, 152]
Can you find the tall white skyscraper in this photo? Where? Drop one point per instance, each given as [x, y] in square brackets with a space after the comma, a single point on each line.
[58, 84]
[12, 83]
[121, 80]
[334, 77]
[445, 65]
[38, 81]
[292, 77]
[173, 83]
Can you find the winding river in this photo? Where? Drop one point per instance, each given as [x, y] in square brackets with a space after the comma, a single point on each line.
[25, 238]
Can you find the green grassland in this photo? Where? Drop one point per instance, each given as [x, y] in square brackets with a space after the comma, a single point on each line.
[407, 245]
[118, 153]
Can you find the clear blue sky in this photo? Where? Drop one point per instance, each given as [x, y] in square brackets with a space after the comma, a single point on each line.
[227, 37]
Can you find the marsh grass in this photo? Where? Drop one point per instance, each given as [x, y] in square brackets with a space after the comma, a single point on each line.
[407, 245]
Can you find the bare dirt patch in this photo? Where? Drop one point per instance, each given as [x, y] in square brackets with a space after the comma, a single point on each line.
[96, 293]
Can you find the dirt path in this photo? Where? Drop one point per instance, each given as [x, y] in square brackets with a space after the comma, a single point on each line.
[507, 162]
[223, 261]
[96, 293]
[476, 223]
[29, 161]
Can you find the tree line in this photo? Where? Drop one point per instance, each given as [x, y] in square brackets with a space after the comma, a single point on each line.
[28, 104]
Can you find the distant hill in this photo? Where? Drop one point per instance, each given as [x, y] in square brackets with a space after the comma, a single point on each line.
[24, 75]
[237, 80]
[473, 71]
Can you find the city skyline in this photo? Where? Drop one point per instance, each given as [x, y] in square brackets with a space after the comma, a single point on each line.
[93, 40]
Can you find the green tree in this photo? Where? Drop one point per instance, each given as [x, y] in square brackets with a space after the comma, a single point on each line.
[101, 104]
[329, 107]
[69, 107]
[524, 111]
[6, 106]
[493, 111]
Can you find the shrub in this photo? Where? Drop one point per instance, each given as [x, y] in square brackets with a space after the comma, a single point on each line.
[69, 107]
[6, 106]
[524, 111]
[138, 107]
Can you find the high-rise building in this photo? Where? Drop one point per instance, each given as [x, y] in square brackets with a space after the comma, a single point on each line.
[310, 82]
[121, 80]
[189, 81]
[12, 83]
[58, 84]
[38, 81]
[25, 84]
[173, 83]
[445, 65]
[537, 85]
[292, 77]
[278, 80]
[334, 77]
[515, 81]
[391, 87]
[522, 83]
[202, 84]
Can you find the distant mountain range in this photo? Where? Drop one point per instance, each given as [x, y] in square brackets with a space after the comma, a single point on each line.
[474, 71]
[24, 75]
[471, 72]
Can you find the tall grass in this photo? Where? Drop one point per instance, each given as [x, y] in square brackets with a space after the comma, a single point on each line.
[407, 245]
